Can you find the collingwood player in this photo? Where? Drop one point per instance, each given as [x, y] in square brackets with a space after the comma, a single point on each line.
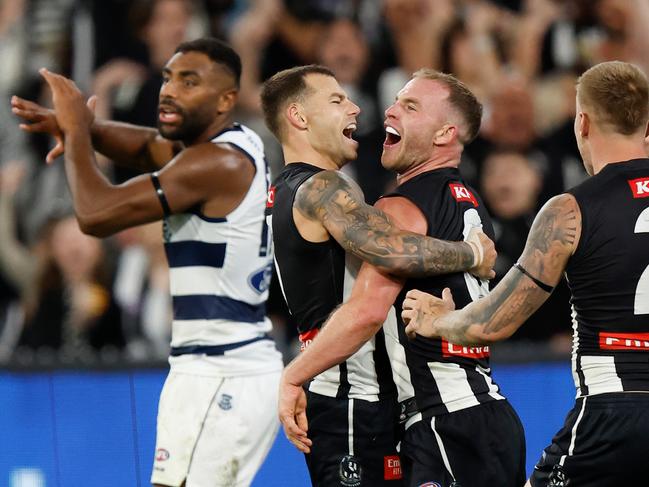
[217, 415]
[452, 411]
[598, 235]
[322, 226]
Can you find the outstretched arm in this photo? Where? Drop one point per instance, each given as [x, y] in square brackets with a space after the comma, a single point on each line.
[553, 238]
[338, 204]
[193, 177]
[140, 148]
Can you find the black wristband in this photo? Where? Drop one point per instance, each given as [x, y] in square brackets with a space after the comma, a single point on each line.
[161, 194]
[542, 285]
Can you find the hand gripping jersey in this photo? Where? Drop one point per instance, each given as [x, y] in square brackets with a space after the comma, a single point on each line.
[220, 270]
[608, 276]
[434, 376]
[315, 279]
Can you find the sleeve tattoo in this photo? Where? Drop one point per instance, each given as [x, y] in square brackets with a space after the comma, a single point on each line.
[552, 240]
[367, 232]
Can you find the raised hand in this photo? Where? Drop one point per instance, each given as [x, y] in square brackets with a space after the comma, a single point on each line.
[38, 119]
[421, 310]
[70, 107]
[292, 414]
[485, 252]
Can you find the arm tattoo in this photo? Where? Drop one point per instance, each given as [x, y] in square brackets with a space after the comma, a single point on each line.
[552, 240]
[367, 232]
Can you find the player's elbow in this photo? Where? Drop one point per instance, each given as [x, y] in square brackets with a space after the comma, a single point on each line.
[370, 317]
[93, 225]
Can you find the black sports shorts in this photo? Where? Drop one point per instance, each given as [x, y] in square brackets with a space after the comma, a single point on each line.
[354, 442]
[478, 446]
[603, 443]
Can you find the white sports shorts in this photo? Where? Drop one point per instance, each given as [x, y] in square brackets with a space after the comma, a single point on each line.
[213, 431]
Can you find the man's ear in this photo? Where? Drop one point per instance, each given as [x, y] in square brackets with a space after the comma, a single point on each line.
[446, 135]
[296, 116]
[227, 101]
[584, 124]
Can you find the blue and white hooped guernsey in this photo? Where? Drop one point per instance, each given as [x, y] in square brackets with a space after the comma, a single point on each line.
[220, 271]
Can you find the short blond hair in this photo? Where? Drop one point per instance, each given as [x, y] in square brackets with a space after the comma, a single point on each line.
[461, 98]
[618, 94]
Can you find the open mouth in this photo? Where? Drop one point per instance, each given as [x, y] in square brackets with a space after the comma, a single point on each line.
[168, 114]
[349, 130]
[392, 137]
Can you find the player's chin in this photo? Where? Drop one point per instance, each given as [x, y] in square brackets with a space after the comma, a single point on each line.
[168, 131]
[351, 152]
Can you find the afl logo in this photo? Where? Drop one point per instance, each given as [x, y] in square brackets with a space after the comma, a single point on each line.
[430, 484]
[161, 455]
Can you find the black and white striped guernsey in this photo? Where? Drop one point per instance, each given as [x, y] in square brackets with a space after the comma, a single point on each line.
[434, 376]
[315, 279]
[609, 279]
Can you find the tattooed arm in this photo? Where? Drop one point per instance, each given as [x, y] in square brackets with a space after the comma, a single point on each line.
[337, 203]
[552, 240]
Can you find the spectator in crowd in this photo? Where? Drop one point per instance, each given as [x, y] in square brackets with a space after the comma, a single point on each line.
[64, 282]
[511, 186]
[141, 289]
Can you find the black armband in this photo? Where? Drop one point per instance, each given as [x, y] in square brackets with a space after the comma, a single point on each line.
[161, 194]
[542, 285]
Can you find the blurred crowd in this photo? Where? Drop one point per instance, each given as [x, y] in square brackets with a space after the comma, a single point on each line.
[68, 297]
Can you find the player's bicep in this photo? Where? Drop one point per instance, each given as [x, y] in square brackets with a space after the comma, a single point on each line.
[132, 203]
[188, 180]
[552, 240]
[338, 204]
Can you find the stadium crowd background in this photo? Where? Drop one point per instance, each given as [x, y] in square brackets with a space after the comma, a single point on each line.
[69, 298]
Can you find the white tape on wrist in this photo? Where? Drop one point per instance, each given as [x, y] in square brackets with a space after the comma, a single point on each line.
[478, 254]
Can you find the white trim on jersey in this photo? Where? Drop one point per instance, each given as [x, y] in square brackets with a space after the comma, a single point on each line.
[600, 374]
[573, 434]
[361, 373]
[493, 388]
[442, 449]
[327, 383]
[453, 385]
[397, 353]
[350, 426]
[217, 332]
[575, 350]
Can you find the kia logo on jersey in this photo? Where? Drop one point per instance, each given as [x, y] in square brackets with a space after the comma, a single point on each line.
[639, 187]
[271, 197]
[461, 193]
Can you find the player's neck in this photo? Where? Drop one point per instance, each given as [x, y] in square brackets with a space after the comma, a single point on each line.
[615, 149]
[215, 128]
[442, 158]
[306, 153]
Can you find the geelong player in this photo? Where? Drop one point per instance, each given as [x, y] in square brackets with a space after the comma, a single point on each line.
[598, 235]
[321, 227]
[458, 427]
[217, 416]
